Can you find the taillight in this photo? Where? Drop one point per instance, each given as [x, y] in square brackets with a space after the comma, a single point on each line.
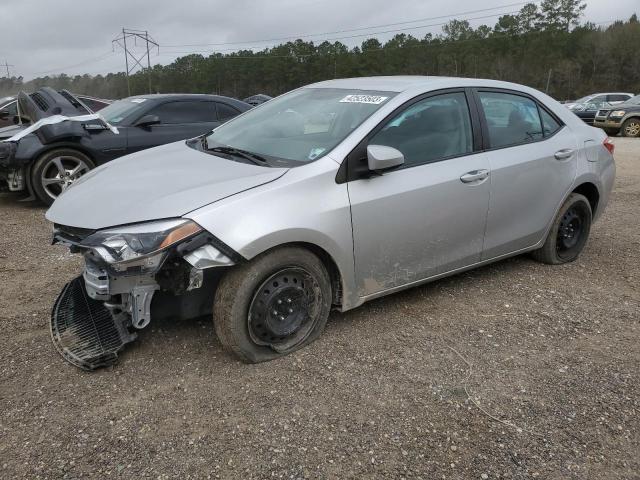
[608, 144]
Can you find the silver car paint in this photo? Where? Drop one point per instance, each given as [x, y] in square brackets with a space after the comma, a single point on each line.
[161, 182]
[307, 205]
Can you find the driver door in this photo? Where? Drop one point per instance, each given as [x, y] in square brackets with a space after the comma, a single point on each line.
[428, 216]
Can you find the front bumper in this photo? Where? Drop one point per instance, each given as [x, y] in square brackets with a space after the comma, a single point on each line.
[607, 123]
[99, 312]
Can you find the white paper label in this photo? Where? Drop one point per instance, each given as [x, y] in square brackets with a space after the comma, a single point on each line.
[373, 99]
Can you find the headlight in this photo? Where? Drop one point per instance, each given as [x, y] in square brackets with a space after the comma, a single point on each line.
[617, 113]
[142, 244]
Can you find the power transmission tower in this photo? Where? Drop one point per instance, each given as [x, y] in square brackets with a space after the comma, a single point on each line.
[136, 61]
[6, 65]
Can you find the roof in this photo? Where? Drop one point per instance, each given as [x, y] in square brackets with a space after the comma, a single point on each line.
[184, 96]
[396, 83]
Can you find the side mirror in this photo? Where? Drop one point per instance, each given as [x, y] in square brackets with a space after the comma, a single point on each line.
[381, 157]
[147, 121]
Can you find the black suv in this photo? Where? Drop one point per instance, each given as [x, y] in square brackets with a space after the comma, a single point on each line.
[624, 118]
[50, 158]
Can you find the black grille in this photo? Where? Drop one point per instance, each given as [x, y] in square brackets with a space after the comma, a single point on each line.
[84, 332]
[73, 234]
[40, 101]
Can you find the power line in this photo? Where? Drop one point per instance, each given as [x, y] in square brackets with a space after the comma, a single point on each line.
[469, 12]
[414, 27]
[135, 35]
[6, 65]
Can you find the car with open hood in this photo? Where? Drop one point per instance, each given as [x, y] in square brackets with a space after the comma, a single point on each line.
[13, 110]
[326, 197]
[58, 148]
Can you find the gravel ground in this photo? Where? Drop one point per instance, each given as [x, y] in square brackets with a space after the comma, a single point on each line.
[515, 370]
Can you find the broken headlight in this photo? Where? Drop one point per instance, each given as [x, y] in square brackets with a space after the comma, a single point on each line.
[140, 245]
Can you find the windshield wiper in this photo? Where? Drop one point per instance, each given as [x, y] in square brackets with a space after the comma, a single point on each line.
[252, 157]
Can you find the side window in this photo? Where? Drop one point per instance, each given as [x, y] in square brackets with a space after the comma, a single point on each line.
[549, 124]
[617, 98]
[12, 108]
[429, 130]
[226, 112]
[185, 112]
[511, 119]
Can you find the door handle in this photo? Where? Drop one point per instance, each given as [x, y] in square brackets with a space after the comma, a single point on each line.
[563, 154]
[474, 176]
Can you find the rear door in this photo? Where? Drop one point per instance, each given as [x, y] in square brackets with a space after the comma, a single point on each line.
[532, 157]
[179, 120]
[428, 216]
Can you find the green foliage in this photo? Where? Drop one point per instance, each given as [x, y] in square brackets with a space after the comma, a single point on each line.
[522, 48]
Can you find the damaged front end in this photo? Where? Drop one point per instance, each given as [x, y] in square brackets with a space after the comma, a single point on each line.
[132, 273]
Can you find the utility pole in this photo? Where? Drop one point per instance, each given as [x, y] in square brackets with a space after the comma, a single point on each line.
[129, 54]
[548, 81]
[6, 65]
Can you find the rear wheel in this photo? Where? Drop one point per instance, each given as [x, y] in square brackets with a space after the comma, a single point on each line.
[631, 127]
[612, 132]
[569, 232]
[57, 170]
[273, 305]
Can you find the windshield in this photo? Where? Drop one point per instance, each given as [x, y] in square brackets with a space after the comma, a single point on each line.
[583, 99]
[300, 126]
[119, 110]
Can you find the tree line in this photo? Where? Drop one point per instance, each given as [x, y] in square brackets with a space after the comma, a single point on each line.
[544, 46]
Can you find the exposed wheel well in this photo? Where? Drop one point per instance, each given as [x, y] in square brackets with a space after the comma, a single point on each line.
[329, 264]
[590, 191]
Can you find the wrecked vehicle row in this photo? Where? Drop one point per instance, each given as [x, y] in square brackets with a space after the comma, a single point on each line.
[326, 197]
[62, 143]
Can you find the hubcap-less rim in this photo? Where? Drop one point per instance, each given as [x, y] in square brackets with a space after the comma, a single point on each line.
[633, 129]
[570, 231]
[59, 174]
[283, 310]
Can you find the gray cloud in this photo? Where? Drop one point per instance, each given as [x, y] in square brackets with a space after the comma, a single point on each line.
[44, 36]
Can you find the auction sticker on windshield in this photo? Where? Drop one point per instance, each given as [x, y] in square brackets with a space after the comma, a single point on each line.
[373, 99]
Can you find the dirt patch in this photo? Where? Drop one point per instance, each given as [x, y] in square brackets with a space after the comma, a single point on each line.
[515, 370]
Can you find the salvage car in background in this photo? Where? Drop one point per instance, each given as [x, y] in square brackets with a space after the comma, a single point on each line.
[623, 118]
[49, 99]
[329, 196]
[612, 98]
[259, 99]
[49, 159]
[587, 111]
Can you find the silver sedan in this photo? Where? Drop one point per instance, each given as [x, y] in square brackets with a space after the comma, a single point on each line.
[325, 197]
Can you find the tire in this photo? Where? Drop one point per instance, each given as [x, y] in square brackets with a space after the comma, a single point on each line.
[631, 127]
[272, 306]
[54, 171]
[569, 232]
[612, 132]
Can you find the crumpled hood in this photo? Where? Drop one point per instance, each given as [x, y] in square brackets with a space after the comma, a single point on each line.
[10, 131]
[162, 182]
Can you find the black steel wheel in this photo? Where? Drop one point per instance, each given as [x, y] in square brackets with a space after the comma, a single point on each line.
[569, 232]
[273, 305]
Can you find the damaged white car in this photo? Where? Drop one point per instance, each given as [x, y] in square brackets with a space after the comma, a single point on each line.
[329, 196]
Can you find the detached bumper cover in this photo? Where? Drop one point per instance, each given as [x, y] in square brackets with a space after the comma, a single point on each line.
[84, 331]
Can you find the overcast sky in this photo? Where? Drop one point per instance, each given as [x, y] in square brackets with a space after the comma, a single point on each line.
[50, 37]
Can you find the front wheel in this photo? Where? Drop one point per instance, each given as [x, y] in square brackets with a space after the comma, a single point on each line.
[569, 232]
[273, 305]
[631, 127]
[57, 170]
